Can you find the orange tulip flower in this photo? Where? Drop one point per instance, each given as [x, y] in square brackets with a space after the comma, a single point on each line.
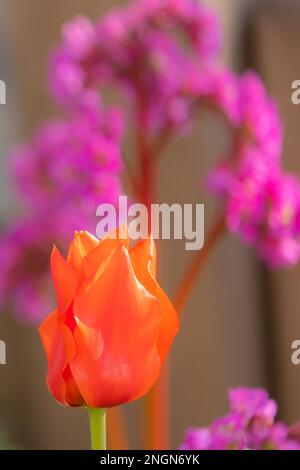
[113, 326]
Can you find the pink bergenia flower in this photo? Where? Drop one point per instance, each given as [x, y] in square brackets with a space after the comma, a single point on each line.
[214, 88]
[225, 433]
[260, 120]
[263, 208]
[257, 126]
[250, 424]
[244, 197]
[74, 162]
[145, 49]
[257, 410]
[24, 267]
[261, 203]
[280, 240]
[197, 21]
[252, 402]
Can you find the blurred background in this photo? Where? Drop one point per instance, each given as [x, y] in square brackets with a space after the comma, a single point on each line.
[241, 320]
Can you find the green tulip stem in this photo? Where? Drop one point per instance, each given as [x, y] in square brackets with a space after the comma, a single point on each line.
[98, 428]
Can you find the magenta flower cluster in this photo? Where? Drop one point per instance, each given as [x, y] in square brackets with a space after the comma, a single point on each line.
[249, 425]
[73, 164]
[261, 202]
[147, 49]
[62, 174]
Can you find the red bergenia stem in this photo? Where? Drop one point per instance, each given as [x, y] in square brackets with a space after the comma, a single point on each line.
[133, 180]
[116, 430]
[148, 176]
[158, 413]
[189, 279]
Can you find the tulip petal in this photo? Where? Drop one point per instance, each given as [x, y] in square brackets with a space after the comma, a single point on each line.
[114, 377]
[82, 244]
[64, 278]
[99, 256]
[143, 258]
[60, 349]
[102, 252]
[129, 319]
[112, 286]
